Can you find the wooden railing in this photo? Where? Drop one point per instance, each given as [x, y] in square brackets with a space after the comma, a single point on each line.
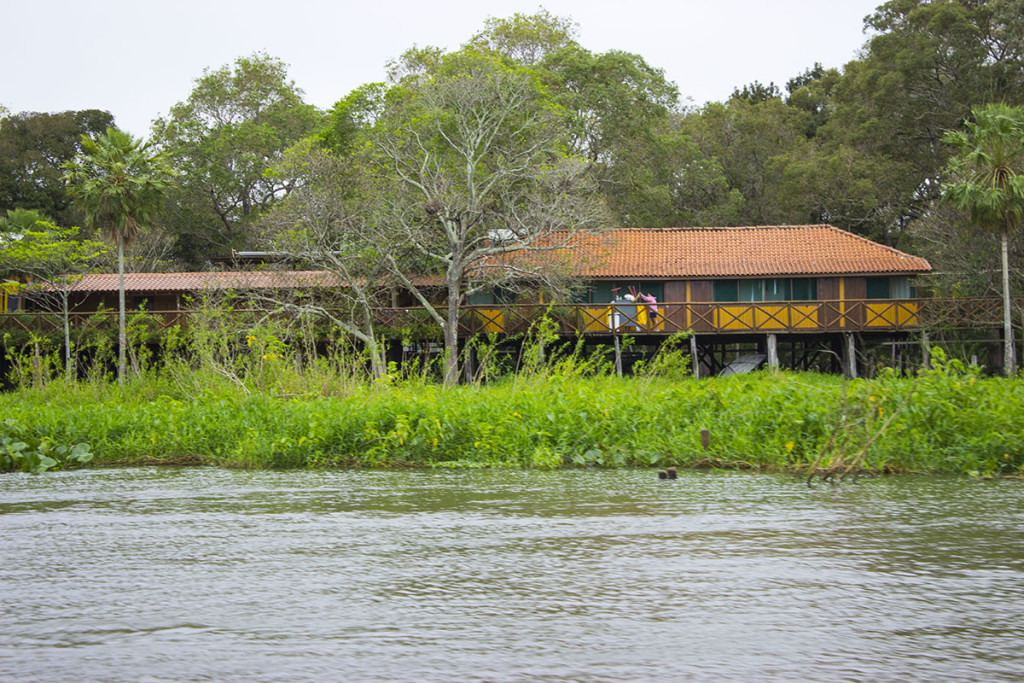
[724, 318]
[602, 319]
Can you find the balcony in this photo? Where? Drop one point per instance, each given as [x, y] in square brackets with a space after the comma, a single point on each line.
[869, 315]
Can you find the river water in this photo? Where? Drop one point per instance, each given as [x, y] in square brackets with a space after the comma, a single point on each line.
[216, 575]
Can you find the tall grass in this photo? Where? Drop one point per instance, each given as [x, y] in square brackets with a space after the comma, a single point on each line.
[949, 422]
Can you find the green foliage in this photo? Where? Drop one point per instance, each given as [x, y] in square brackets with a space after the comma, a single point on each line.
[223, 139]
[987, 173]
[23, 450]
[120, 182]
[987, 180]
[33, 147]
[945, 420]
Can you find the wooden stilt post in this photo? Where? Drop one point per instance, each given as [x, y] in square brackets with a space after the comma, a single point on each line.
[469, 369]
[618, 355]
[850, 355]
[772, 346]
[694, 358]
[926, 351]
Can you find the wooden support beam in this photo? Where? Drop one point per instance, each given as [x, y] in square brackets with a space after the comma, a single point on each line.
[694, 357]
[618, 355]
[850, 355]
[772, 346]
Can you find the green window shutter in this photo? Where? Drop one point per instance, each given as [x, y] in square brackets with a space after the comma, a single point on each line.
[601, 293]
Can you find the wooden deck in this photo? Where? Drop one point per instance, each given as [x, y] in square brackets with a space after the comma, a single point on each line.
[874, 315]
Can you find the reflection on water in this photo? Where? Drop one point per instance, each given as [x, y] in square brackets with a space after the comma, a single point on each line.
[201, 574]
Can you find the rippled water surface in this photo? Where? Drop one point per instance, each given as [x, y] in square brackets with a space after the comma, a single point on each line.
[204, 574]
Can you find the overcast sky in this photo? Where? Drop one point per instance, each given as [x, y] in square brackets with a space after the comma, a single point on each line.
[136, 58]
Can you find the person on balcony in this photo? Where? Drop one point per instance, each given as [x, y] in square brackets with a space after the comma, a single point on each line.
[652, 308]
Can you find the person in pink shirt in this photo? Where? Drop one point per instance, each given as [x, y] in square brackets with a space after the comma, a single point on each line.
[652, 308]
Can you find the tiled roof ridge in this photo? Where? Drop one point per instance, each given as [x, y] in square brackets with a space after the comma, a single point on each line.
[874, 243]
[751, 228]
[694, 228]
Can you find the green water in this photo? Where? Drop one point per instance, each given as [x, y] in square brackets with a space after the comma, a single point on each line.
[206, 574]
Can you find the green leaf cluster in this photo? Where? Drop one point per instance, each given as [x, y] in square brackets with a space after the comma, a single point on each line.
[23, 450]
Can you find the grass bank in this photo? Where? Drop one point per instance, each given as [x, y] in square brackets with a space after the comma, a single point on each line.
[947, 420]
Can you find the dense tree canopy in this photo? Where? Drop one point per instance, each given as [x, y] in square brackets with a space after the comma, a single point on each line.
[32, 148]
[235, 124]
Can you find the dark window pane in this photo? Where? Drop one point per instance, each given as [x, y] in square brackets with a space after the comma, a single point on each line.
[725, 290]
[878, 288]
[777, 289]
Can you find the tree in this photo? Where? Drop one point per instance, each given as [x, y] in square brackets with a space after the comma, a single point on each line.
[759, 145]
[233, 127]
[616, 109]
[32, 148]
[325, 223]
[618, 113]
[988, 182]
[54, 259]
[471, 173]
[526, 39]
[926, 63]
[121, 183]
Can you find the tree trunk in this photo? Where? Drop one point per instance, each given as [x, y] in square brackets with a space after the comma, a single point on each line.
[67, 340]
[375, 349]
[451, 336]
[122, 334]
[1009, 349]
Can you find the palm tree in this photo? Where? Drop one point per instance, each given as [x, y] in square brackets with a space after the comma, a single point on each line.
[120, 182]
[989, 184]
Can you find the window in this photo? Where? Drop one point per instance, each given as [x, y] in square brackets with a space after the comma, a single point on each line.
[777, 289]
[605, 292]
[751, 290]
[770, 289]
[804, 289]
[726, 290]
[878, 288]
[900, 288]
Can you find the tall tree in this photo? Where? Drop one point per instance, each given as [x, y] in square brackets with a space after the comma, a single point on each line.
[326, 223]
[759, 144]
[233, 127]
[472, 172]
[988, 181]
[32, 148]
[926, 63]
[121, 182]
[618, 111]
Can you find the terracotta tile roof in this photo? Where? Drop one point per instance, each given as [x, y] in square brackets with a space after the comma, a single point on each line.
[737, 252]
[662, 253]
[193, 282]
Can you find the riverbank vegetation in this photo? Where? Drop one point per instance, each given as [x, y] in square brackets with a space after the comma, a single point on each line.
[261, 403]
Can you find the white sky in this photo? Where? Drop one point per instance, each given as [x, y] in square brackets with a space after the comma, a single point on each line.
[136, 58]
